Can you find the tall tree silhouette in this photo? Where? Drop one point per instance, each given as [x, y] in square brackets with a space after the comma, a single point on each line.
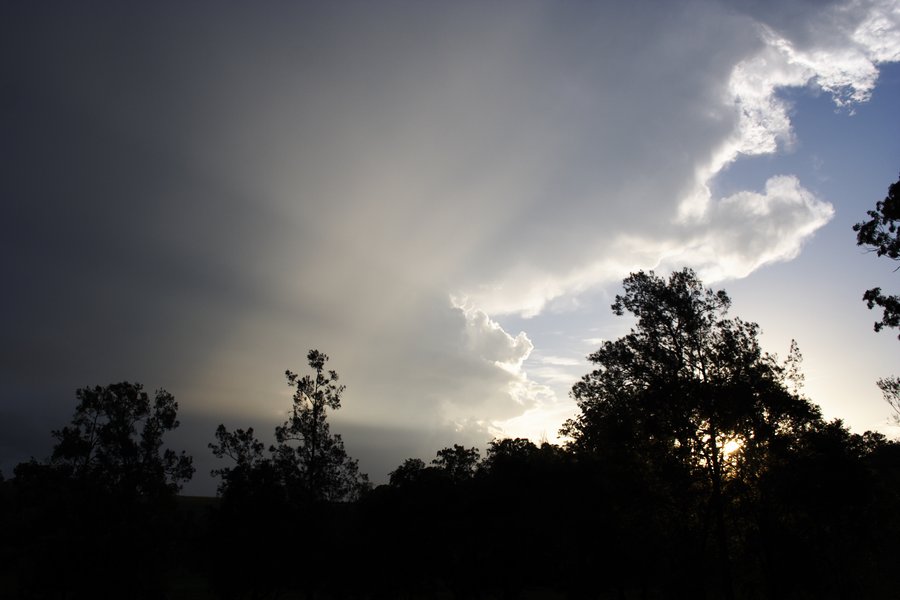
[313, 459]
[686, 389]
[309, 461]
[296, 489]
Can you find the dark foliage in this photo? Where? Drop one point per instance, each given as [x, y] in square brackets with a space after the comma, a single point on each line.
[890, 390]
[881, 235]
[311, 458]
[98, 519]
[687, 403]
[696, 469]
[115, 442]
[307, 462]
[289, 496]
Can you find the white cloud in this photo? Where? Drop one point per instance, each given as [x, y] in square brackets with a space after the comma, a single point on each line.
[841, 58]
[763, 120]
[487, 340]
[879, 32]
[747, 230]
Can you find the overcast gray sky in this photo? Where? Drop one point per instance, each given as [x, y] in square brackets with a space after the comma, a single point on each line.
[441, 196]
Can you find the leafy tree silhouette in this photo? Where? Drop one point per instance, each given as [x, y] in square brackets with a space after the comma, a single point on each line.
[311, 458]
[253, 506]
[310, 462]
[684, 388]
[890, 390]
[115, 441]
[881, 235]
[821, 515]
[294, 489]
[250, 462]
[101, 511]
[407, 473]
[458, 463]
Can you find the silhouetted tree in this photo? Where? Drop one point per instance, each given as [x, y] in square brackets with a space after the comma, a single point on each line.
[407, 473]
[822, 514]
[247, 452]
[293, 493]
[880, 234]
[525, 496]
[312, 459]
[253, 507]
[683, 390]
[115, 440]
[890, 390]
[101, 511]
[509, 454]
[459, 463]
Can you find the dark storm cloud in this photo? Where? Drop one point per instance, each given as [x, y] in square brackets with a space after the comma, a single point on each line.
[195, 195]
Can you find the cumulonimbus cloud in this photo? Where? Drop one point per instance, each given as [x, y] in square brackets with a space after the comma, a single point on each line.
[225, 194]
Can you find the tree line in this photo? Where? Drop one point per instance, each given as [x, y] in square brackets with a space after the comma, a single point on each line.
[695, 468]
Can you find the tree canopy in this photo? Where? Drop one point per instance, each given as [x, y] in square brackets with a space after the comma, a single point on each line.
[688, 390]
[101, 511]
[115, 439]
[695, 469]
[686, 380]
[307, 460]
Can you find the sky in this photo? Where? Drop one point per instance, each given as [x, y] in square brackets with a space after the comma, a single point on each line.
[443, 197]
